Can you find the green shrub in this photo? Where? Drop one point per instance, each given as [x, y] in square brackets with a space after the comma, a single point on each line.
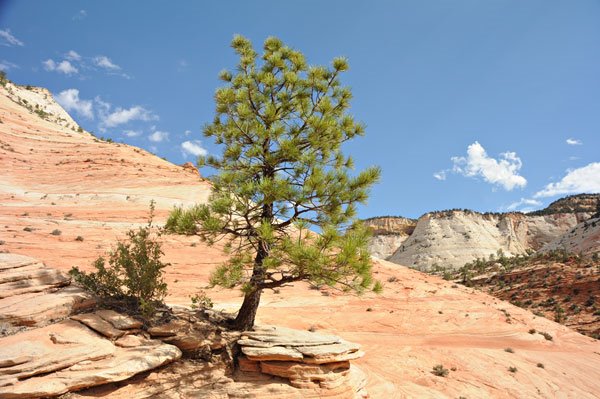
[133, 279]
[201, 300]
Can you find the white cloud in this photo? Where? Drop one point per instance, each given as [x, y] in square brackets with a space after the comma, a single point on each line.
[73, 56]
[132, 133]
[581, 180]
[64, 66]
[7, 65]
[193, 148]
[121, 116]
[187, 133]
[441, 175]
[158, 136]
[524, 205]
[81, 14]
[70, 101]
[502, 172]
[104, 62]
[9, 39]
[572, 141]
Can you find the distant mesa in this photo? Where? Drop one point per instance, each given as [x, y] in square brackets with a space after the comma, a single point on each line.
[452, 238]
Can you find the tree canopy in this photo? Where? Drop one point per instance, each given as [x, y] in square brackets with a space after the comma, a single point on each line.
[282, 176]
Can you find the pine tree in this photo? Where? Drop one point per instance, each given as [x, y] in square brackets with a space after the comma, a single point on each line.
[282, 173]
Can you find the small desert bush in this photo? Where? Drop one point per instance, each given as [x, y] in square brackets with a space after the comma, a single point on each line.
[133, 279]
[546, 335]
[512, 369]
[56, 232]
[201, 300]
[79, 238]
[440, 371]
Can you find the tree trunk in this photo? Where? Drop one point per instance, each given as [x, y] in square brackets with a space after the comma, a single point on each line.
[247, 313]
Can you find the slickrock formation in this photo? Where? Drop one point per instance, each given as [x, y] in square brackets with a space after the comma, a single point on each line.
[73, 353]
[308, 360]
[32, 294]
[68, 356]
[40, 101]
[452, 238]
[583, 238]
[389, 233]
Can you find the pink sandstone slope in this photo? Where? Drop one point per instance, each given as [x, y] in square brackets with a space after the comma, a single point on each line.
[55, 178]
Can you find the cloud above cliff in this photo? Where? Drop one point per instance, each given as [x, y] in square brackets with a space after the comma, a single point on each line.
[503, 172]
[193, 147]
[581, 180]
[70, 101]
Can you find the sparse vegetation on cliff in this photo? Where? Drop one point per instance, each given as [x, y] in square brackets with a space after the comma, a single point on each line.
[558, 285]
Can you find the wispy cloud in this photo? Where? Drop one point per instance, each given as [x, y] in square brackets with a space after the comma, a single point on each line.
[502, 172]
[157, 136]
[441, 175]
[80, 15]
[70, 101]
[524, 205]
[103, 61]
[572, 141]
[124, 115]
[72, 55]
[581, 180]
[64, 66]
[7, 65]
[193, 147]
[8, 39]
[187, 133]
[132, 133]
[73, 63]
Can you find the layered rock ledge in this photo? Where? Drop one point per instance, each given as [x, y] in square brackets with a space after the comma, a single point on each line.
[306, 359]
[50, 350]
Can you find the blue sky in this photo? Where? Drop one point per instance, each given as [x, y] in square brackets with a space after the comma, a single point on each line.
[489, 105]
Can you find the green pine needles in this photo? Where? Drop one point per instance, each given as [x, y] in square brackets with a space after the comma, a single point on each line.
[282, 172]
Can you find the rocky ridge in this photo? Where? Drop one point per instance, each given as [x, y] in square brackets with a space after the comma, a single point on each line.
[389, 232]
[452, 238]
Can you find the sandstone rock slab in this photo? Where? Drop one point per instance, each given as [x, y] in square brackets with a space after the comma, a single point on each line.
[68, 356]
[118, 320]
[99, 325]
[39, 308]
